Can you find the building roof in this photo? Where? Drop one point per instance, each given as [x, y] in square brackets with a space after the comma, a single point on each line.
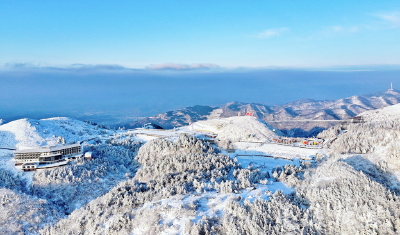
[30, 163]
[47, 149]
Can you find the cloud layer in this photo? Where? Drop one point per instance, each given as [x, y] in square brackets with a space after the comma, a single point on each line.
[174, 66]
[72, 67]
[105, 67]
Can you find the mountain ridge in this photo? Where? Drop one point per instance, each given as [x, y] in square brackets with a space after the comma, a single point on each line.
[308, 109]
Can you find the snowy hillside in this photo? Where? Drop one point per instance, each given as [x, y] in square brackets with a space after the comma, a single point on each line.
[176, 183]
[31, 133]
[378, 134]
[385, 114]
[244, 128]
[181, 186]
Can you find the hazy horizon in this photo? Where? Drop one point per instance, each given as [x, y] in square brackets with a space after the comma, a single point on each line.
[107, 95]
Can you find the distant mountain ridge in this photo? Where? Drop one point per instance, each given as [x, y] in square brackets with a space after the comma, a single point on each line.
[308, 109]
[177, 118]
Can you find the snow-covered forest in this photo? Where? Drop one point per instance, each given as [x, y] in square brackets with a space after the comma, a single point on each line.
[64, 189]
[379, 132]
[174, 182]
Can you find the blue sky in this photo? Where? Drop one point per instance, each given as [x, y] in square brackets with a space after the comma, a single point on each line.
[139, 34]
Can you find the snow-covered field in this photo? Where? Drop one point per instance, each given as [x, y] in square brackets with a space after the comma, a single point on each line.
[178, 184]
[275, 150]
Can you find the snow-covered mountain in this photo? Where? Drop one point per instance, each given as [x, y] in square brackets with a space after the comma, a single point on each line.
[32, 133]
[239, 128]
[297, 110]
[177, 183]
[177, 118]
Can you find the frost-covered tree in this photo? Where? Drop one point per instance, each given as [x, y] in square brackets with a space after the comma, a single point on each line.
[279, 215]
[346, 201]
[75, 185]
[12, 181]
[368, 137]
[186, 166]
[25, 214]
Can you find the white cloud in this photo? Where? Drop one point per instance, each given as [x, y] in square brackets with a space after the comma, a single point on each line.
[174, 66]
[391, 17]
[272, 32]
[341, 29]
[337, 28]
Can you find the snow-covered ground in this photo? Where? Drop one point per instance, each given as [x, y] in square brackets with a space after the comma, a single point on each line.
[276, 150]
[388, 113]
[236, 129]
[264, 156]
[7, 163]
[244, 128]
[189, 184]
[31, 133]
[264, 163]
[245, 152]
[208, 204]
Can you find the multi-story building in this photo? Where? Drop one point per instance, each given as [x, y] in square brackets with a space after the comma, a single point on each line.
[34, 158]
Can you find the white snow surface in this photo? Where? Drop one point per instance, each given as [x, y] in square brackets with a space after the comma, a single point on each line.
[209, 204]
[31, 133]
[246, 128]
[384, 114]
[213, 203]
[276, 151]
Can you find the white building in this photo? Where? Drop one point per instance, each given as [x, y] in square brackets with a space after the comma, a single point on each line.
[88, 156]
[46, 155]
